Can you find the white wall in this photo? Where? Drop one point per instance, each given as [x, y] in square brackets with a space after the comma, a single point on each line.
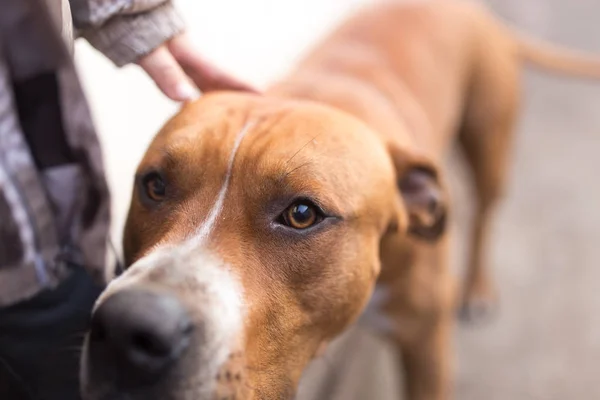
[257, 40]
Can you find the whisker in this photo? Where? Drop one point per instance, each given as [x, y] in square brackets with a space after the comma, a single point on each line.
[302, 148]
[285, 175]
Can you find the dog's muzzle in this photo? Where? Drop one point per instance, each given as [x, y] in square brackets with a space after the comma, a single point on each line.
[165, 329]
[138, 334]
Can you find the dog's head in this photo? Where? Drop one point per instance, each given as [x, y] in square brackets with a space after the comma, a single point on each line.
[253, 238]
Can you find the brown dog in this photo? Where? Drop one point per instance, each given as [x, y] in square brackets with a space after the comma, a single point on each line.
[260, 225]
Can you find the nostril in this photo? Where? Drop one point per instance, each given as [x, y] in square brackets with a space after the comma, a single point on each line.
[150, 345]
[186, 328]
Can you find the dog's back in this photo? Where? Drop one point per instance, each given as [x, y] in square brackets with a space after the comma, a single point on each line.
[413, 59]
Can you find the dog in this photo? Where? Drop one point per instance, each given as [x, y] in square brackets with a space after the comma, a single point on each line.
[261, 225]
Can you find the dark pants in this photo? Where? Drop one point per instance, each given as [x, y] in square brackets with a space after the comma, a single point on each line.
[41, 338]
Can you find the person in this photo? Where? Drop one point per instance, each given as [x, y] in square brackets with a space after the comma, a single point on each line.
[54, 200]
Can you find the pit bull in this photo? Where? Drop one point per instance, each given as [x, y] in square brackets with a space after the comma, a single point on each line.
[260, 225]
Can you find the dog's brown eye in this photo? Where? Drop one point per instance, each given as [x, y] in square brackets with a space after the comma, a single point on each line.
[154, 186]
[302, 215]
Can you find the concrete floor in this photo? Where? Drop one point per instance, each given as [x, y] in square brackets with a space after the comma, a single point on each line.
[545, 343]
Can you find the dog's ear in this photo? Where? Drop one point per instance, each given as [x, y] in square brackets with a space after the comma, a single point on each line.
[422, 193]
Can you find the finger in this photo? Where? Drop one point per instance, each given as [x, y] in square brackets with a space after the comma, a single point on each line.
[205, 75]
[168, 75]
[208, 78]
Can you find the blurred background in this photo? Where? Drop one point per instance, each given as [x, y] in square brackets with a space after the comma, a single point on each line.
[545, 252]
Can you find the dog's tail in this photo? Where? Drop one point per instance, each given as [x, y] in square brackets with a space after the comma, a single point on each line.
[557, 59]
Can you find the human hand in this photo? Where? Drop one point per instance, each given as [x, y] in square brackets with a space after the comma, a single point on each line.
[179, 71]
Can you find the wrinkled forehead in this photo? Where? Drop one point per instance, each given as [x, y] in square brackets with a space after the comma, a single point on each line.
[272, 140]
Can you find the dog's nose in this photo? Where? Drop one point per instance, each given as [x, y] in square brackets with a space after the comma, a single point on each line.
[139, 333]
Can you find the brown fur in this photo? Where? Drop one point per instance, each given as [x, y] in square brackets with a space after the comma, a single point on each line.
[420, 76]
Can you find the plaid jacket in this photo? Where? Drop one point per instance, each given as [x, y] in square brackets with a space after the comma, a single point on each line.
[54, 200]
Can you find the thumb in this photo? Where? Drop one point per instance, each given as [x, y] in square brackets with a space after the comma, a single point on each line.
[168, 75]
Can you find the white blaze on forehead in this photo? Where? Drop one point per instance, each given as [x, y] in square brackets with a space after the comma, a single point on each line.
[203, 283]
[211, 219]
[188, 259]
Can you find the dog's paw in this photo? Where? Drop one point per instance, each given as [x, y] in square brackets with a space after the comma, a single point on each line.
[478, 307]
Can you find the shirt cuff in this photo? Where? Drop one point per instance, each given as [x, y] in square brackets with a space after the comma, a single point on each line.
[125, 39]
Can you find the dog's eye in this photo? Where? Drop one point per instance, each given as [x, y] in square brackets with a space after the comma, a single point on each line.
[154, 186]
[302, 215]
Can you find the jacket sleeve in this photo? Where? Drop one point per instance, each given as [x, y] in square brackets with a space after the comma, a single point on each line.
[125, 30]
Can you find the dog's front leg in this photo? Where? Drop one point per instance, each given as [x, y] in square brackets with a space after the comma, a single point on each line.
[419, 303]
[427, 362]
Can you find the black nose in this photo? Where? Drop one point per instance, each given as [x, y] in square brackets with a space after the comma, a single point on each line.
[138, 333]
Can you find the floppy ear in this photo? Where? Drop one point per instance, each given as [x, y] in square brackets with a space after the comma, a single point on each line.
[422, 193]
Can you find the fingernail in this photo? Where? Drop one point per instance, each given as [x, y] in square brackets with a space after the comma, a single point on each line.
[187, 92]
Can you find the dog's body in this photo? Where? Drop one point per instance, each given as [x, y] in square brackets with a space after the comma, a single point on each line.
[218, 219]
